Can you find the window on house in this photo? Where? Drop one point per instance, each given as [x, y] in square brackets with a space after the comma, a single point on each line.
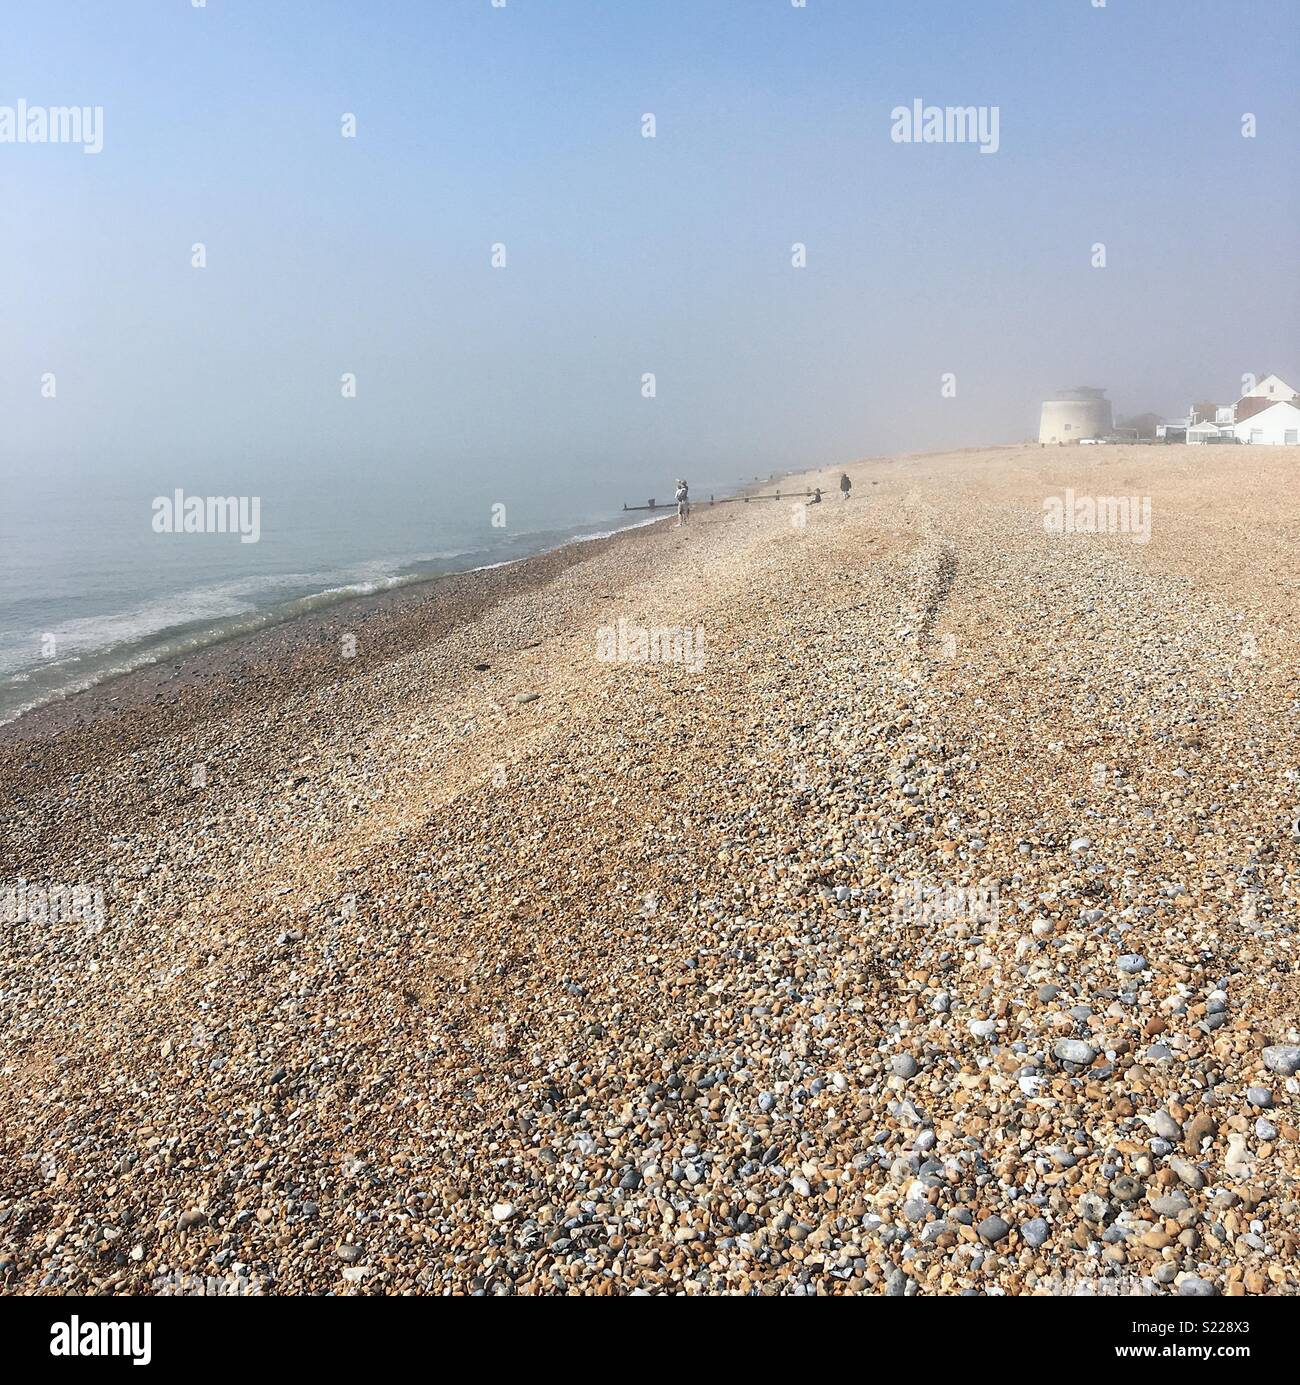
[1291, 436]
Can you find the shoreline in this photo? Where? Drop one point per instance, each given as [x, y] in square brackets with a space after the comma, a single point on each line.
[278, 636]
[290, 641]
[289, 637]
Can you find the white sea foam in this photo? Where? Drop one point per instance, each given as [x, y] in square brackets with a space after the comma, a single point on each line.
[93, 649]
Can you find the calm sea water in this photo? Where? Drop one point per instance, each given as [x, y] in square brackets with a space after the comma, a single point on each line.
[88, 589]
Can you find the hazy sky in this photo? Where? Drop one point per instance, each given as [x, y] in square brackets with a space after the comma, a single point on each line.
[672, 255]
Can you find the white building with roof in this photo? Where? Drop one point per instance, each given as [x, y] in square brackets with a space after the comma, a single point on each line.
[1209, 432]
[1271, 387]
[1278, 425]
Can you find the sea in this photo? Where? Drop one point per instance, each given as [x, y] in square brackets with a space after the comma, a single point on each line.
[92, 585]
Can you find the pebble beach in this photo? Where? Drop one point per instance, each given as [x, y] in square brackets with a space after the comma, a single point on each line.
[889, 896]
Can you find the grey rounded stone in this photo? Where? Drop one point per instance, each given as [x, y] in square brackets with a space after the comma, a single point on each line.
[1169, 1204]
[1192, 1287]
[1188, 1172]
[1125, 1188]
[992, 1229]
[1074, 1051]
[1283, 1058]
[1164, 1125]
[904, 1065]
[1259, 1096]
[1035, 1232]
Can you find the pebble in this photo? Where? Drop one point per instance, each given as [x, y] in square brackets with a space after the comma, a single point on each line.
[1188, 1172]
[1035, 1232]
[1126, 1188]
[1164, 1125]
[1074, 1051]
[1172, 1204]
[1283, 1058]
[1093, 1208]
[992, 1229]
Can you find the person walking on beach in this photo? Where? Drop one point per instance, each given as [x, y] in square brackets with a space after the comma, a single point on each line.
[845, 485]
[683, 503]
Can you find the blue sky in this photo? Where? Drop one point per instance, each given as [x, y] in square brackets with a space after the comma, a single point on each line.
[521, 125]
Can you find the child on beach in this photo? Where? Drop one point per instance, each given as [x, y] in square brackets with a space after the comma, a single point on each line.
[816, 496]
[845, 485]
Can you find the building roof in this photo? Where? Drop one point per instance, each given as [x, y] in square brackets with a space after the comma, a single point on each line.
[1269, 405]
[1263, 379]
[1251, 404]
[1078, 394]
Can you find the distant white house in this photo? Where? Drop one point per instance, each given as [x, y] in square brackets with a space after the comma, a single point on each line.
[1271, 387]
[1277, 425]
[1242, 421]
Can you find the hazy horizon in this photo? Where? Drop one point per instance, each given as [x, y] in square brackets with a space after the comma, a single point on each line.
[521, 125]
